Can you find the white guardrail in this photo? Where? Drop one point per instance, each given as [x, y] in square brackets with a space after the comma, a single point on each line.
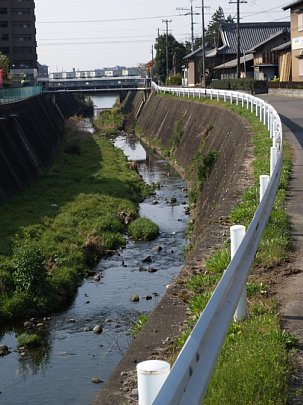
[188, 379]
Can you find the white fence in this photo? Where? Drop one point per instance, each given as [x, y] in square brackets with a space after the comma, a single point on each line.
[189, 377]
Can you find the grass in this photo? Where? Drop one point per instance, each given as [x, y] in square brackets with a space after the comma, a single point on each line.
[143, 229]
[55, 231]
[29, 340]
[139, 324]
[253, 366]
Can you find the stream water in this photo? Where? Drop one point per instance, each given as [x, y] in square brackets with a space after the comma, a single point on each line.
[61, 372]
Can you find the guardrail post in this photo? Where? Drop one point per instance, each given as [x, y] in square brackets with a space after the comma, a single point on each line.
[264, 180]
[237, 99]
[237, 233]
[224, 96]
[151, 375]
[273, 158]
[242, 100]
[257, 108]
[231, 98]
[217, 96]
[260, 112]
[268, 119]
[251, 105]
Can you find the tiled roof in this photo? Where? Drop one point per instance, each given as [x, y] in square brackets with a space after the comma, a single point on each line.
[286, 35]
[251, 35]
[286, 45]
[233, 63]
[294, 3]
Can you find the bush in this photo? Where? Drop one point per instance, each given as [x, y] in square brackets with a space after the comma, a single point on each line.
[249, 85]
[143, 229]
[174, 80]
[29, 272]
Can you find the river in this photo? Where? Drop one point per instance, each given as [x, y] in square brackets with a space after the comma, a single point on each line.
[61, 372]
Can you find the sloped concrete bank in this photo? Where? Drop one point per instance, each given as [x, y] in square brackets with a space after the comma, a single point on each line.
[29, 136]
[217, 129]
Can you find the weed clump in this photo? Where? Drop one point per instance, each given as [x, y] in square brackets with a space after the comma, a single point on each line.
[143, 229]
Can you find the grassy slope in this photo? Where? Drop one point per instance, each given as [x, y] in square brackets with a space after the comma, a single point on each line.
[253, 366]
[64, 222]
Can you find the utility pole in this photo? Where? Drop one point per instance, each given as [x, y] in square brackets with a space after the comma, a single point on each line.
[191, 13]
[167, 22]
[152, 64]
[238, 33]
[203, 43]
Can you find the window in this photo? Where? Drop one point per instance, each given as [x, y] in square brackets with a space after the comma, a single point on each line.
[22, 38]
[4, 37]
[21, 11]
[300, 67]
[3, 10]
[4, 24]
[300, 22]
[4, 50]
[22, 51]
[23, 24]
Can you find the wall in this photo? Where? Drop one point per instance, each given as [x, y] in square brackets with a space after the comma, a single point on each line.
[218, 129]
[29, 136]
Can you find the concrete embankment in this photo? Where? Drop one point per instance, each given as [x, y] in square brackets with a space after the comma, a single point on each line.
[29, 136]
[217, 129]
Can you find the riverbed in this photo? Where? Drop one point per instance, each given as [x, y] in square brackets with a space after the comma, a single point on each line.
[62, 371]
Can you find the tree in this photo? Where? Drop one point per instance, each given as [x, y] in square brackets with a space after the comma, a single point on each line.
[176, 53]
[212, 34]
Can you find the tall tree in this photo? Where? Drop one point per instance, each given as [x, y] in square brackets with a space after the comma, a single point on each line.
[176, 52]
[212, 34]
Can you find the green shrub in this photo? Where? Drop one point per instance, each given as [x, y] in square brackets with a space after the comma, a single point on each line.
[29, 272]
[174, 80]
[143, 229]
[178, 132]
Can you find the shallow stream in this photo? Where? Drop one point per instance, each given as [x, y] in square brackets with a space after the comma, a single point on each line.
[61, 372]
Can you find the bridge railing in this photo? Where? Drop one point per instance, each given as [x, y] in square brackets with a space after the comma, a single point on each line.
[188, 379]
[15, 94]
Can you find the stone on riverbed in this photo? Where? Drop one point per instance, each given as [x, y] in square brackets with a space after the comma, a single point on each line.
[135, 298]
[4, 351]
[97, 329]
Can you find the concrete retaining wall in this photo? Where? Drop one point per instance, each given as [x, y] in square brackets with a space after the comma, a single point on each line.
[29, 136]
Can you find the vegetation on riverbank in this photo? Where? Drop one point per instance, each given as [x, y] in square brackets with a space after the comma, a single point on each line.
[55, 231]
[253, 366]
[110, 121]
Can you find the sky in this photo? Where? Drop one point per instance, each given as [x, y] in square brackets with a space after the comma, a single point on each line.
[92, 34]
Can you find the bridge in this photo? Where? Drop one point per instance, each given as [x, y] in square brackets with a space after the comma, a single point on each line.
[100, 84]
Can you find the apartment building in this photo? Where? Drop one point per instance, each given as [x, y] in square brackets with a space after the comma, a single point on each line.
[18, 34]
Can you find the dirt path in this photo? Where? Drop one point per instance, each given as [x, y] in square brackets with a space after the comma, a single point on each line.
[290, 290]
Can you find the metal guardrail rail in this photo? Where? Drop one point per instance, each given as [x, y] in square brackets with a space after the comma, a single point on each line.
[189, 377]
[15, 94]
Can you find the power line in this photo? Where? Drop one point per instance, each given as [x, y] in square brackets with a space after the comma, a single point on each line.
[109, 20]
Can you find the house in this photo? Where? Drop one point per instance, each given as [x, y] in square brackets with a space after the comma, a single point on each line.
[296, 22]
[251, 36]
[260, 62]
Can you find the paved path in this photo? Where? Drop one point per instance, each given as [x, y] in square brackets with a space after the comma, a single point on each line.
[291, 292]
